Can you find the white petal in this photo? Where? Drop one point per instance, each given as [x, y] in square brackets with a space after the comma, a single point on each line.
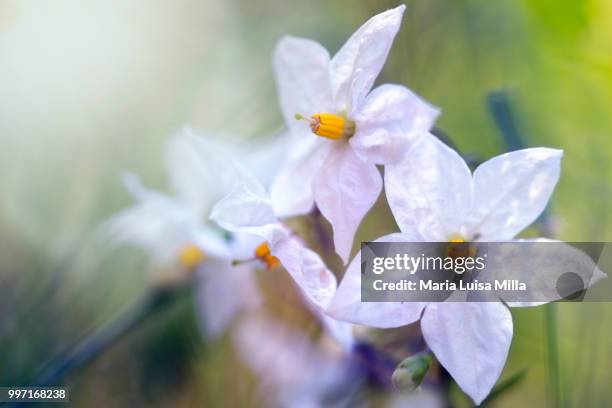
[302, 77]
[430, 189]
[161, 224]
[223, 292]
[345, 189]
[540, 263]
[308, 270]
[138, 226]
[211, 241]
[203, 170]
[248, 212]
[471, 340]
[243, 208]
[347, 304]
[137, 190]
[156, 222]
[191, 172]
[512, 190]
[291, 192]
[391, 119]
[357, 64]
[241, 245]
[265, 155]
[317, 283]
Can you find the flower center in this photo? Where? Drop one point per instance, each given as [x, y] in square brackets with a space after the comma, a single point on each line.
[460, 247]
[191, 256]
[329, 125]
[262, 252]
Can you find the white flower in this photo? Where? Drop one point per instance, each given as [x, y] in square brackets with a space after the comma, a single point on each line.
[358, 128]
[175, 231]
[248, 210]
[293, 371]
[434, 197]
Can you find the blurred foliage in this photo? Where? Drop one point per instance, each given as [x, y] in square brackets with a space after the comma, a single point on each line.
[92, 89]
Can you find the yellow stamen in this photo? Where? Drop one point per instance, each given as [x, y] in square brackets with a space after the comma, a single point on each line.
[330, 125]
[191, 256]
[262, 252]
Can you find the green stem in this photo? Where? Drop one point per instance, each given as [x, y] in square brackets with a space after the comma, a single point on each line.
[550, 315]
[97, 343]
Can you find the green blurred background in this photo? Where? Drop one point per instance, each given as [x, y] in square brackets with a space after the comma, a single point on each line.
[89, 89]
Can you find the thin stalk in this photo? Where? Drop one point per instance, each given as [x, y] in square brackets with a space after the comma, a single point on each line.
[550, 317]
[97, 343]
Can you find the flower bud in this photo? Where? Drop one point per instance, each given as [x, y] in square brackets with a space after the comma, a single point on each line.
[410, 373]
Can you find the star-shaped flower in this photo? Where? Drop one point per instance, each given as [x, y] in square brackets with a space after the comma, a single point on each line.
[435, 198]
[347, 128]
[174, 229]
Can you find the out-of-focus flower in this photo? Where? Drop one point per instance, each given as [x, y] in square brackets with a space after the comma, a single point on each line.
[419, 398]
[434, 197]
[294, 371]
[180, 239]
[349, 129]
[249, 210]
[261, 155]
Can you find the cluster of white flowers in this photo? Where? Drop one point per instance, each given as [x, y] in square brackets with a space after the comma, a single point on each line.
[340, 130]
